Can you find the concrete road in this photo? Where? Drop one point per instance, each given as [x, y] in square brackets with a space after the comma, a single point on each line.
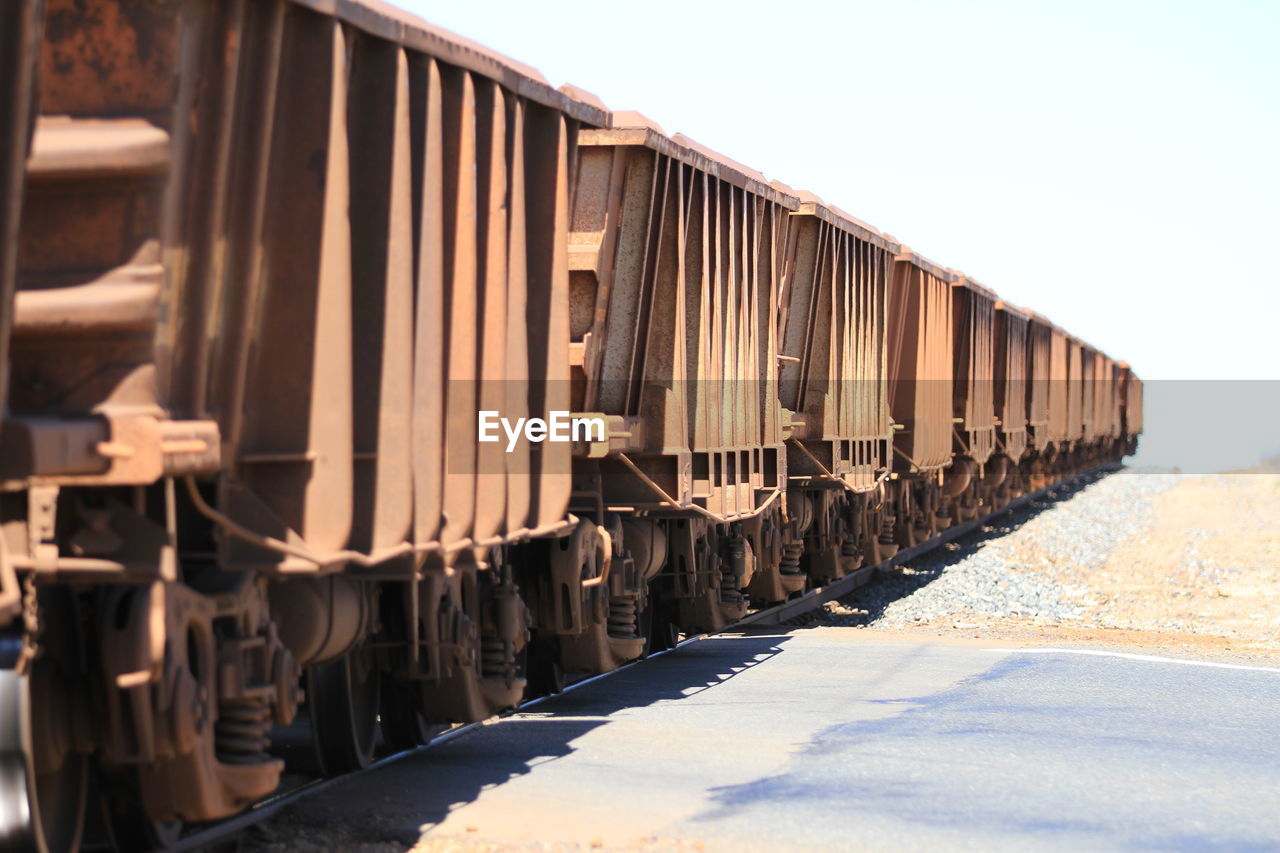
[835, 738]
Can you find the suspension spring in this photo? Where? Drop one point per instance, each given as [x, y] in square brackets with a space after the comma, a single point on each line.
[886, 530]
[729, 591]
[240, 735]
[495, 660]
[791, 552]
[623, 620]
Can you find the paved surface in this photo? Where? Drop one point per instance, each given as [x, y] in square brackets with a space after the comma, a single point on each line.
[832, 738]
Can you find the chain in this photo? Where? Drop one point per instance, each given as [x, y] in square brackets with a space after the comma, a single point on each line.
[31, 624]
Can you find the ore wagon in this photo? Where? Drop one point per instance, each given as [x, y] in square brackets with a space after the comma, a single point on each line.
[833, 383]
[1010, 392]
[262, 264]
[973, 398]
[920, 365]
[677, 255]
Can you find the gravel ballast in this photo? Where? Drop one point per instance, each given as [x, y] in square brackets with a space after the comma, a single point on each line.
[1175, 561]
[1009, 568]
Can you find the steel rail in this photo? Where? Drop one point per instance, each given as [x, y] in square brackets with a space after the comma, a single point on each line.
[778, 614]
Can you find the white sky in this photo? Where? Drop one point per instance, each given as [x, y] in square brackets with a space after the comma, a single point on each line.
[1114, 165]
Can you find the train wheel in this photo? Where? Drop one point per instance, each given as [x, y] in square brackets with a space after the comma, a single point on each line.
[403, 725]
[342, 699]
[907, 534]
[43, 779]
[658, 623]
[543, 669]
[126, 824]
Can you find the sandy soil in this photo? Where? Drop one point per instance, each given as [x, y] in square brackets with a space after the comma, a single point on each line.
[1209, 566]
[1201, 575]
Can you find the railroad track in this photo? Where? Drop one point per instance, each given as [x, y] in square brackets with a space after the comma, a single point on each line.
[223, 831]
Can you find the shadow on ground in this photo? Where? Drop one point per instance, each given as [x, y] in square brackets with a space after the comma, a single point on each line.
[417, 792]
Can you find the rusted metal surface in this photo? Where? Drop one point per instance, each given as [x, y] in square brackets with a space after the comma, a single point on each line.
[834, 320]
[921, 348]
[20, 30]
[389, 23]
[306, 120]
[1090, 417]
[1106, 398]
[378, 234]
[89, 271]
[256, 238]
[677, 259]
[21, 24]
[1133, 405]
[1039, 367]
[1059, 388]
[973, 389]
[1013, 380]
[1129, 397]
[1075, 389]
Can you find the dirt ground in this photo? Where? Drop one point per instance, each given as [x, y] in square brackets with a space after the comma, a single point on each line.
[1209, 566]
[1202, 576]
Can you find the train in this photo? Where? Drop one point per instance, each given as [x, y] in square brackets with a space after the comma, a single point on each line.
[352, 373]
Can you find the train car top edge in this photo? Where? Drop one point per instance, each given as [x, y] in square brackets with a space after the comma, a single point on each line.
[976, 286]
[1016, 310]
[632, 128]
[910, 256]
[812, 205]
[386, 21]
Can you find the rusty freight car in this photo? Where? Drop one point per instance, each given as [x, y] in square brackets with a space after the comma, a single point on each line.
[678, 261]
[270, 259]
[833, 384]
[1013, 412]
[973, 319]
[1129, 396]
[921, 333]
[271, 274]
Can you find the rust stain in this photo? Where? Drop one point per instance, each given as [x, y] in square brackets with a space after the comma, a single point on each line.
[109, 58]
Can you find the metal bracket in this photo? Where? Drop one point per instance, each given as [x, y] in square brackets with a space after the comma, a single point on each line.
[42, 524]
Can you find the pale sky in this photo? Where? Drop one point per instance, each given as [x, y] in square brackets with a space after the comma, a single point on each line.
[1113, 165]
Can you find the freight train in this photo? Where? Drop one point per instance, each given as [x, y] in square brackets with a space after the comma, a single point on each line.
[266, 267]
